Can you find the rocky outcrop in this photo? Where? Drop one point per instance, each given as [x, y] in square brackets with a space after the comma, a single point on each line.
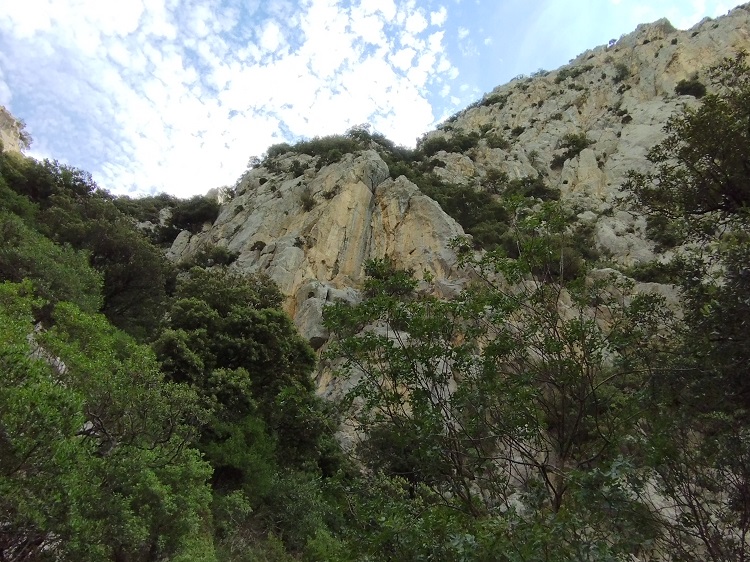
[619, 96]
[313, 233]
[13, 137]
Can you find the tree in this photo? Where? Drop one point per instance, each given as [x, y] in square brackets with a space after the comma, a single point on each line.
[65, 205]
[136, 273]
[59, 273]
[702, 167]
[96, 461]
[701, 188]
[524, 390]
[267, 437]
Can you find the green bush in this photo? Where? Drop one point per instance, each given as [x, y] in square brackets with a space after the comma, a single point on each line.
[621, 72]
[652, 272]
[459, 142]
[324, 146]
[494, 180]
[41, 180]
[307, 199]
[532, 187]
[573, 72]
[433, 145]
[663, 232]
[58, 272]
[494, 99]
[297, 169]
[144, 208]
[478, 212]
[573, 143]
[496, 140]
[692, 87]
[191, 214]
[331, 157]
[278, 149]
[211, 255]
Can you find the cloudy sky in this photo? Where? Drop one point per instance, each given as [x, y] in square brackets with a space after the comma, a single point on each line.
[176, 95]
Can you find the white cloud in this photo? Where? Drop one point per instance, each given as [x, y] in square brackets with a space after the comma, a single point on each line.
[416, 23]
[178, 95]
[271, 38]
[403, 58]
[439, 18]
[463, 32]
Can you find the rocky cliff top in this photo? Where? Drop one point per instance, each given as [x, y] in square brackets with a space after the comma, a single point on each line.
[12, 134]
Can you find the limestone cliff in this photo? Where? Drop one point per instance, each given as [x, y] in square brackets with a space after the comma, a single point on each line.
[619, 96]
[311, 227]
[313, 233]
[13, 137]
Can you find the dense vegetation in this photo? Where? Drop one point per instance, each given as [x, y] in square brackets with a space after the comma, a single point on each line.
[145, 415]
[546, 413]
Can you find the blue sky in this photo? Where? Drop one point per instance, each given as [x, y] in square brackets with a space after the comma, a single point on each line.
[176, 95]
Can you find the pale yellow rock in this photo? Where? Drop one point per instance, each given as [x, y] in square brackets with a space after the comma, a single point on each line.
[11, 134]
[358, 215]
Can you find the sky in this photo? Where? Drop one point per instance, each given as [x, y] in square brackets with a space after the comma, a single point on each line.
[175, 96]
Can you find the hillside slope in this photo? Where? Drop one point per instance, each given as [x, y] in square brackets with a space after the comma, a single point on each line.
[312, 220]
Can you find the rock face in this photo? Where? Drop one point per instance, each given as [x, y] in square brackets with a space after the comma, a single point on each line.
[619, 96]
[313, 233]
[12, 134]
[311, 227]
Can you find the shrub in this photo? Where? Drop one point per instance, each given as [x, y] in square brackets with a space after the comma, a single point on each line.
[573, 144]
[495, 180]
[307, 199]
[663, 232]
[573, 72]
[652, 272]
[144, 208]
[191, 214]
[278, 149]
[329, 147]
[494, 99]
[331, 157]
[621, 72]
[433, 145]
[211, 255]
[532, 187]
[297, 169]
[480, 215]
[496, 140]
[692, 87]
[459, 142]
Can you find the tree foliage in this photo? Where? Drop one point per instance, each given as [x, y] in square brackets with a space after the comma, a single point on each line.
[702, 167]
[514, 399]
[95, 462]
[700, 187]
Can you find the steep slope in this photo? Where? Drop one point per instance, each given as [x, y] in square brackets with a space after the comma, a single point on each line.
[619, 97]
[313, 230]
[311, 222]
